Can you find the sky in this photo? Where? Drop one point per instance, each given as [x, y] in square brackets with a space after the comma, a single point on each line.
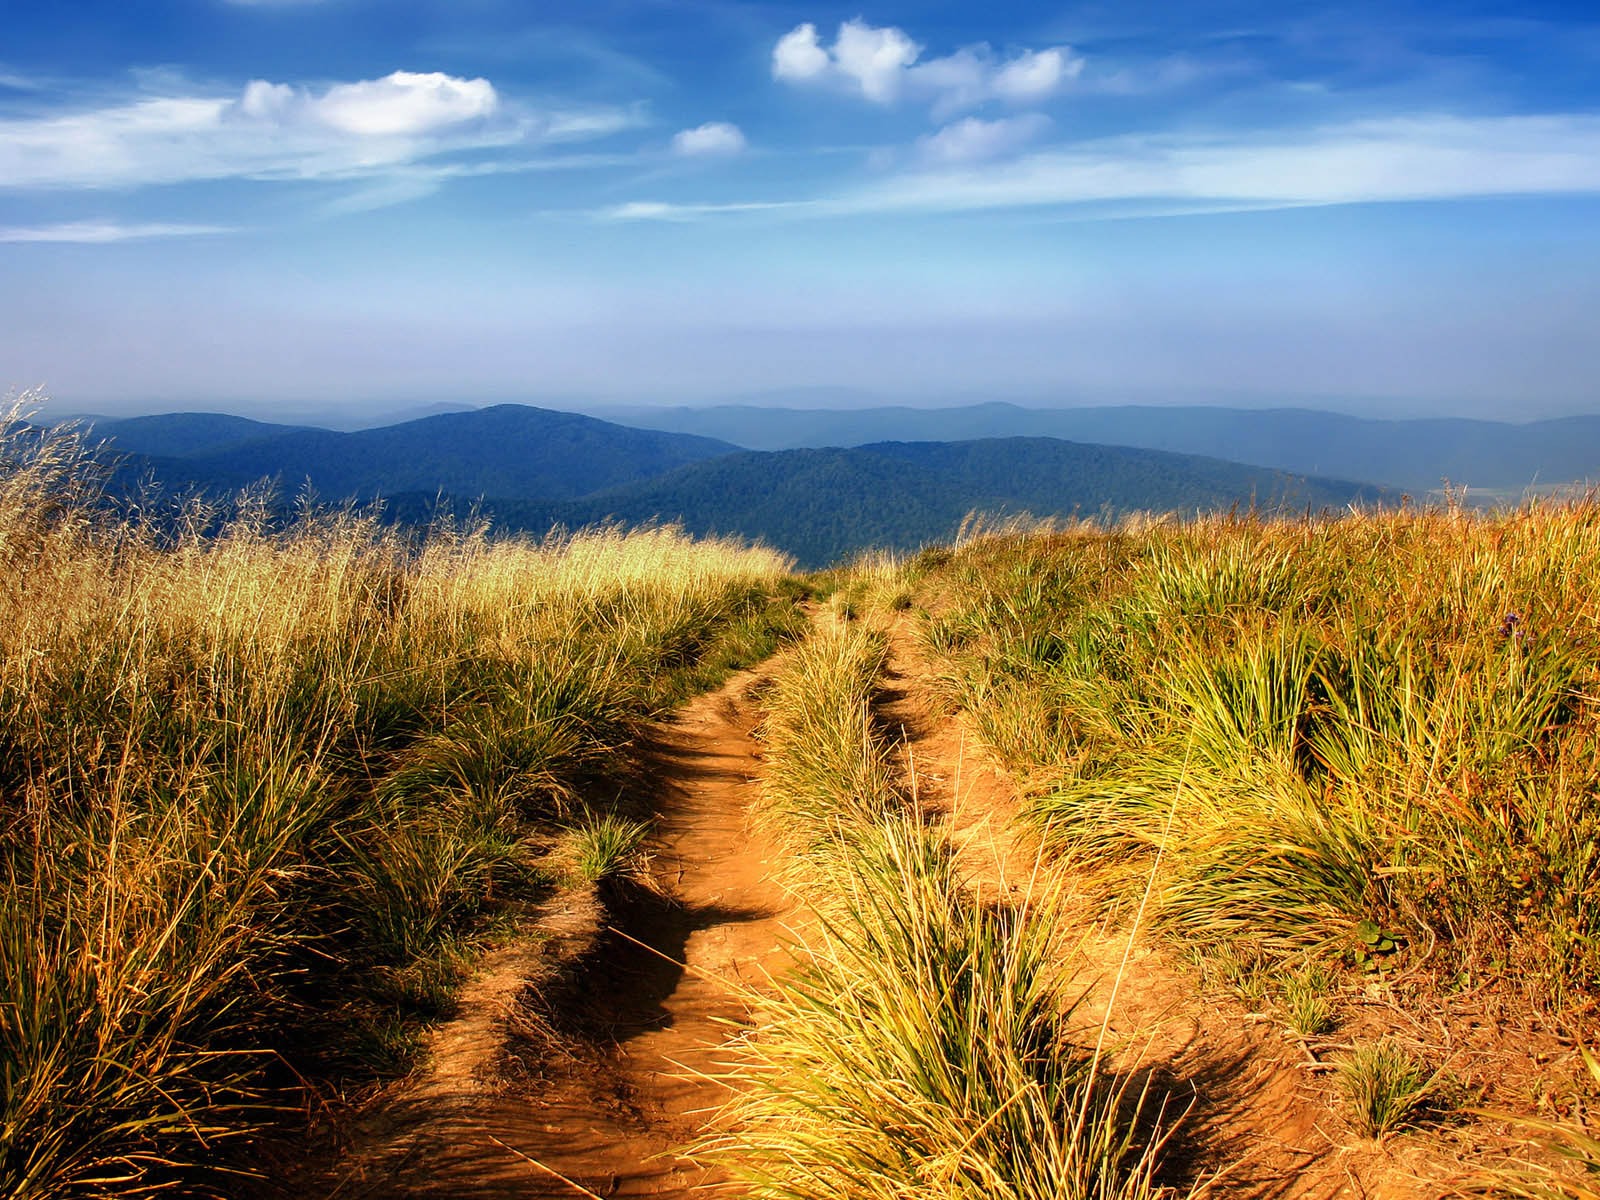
[300, 206]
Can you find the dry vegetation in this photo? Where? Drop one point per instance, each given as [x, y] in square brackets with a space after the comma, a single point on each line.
[264, 793]
[1366, 749]
[924, 1045]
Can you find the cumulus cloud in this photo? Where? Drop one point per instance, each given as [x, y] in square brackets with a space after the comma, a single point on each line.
[400, 104]
[711, 140]
[102, 232]
[883, 64]
[876, 59]
[973, 139]
[799, 55]
[277, 131]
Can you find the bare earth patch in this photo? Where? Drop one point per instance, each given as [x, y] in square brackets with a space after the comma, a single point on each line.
[585, 1055]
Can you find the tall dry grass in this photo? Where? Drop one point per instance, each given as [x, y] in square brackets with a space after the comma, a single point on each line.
[1385, 726]
[924, 1045]
[261, 789]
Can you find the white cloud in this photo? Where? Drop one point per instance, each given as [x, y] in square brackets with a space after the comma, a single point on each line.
[883, 64]
[275, 131]
[1035, 75]
[973, 139]
[1366, 162]
[798, 54]
[101, 232]
[1428, 158]
[406, 103]
[875, 58]
[713, 139]
[655, 210]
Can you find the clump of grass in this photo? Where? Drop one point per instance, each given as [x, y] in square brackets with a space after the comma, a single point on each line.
[923, 1046]
[1381, 721]
[924, 1049]
[1309, 1005]
[609, 846]
[1384, 1087]
[827, 771]
[1241, 968]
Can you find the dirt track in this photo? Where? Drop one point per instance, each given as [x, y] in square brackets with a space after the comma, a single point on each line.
[499, 1113]
[599, 1101]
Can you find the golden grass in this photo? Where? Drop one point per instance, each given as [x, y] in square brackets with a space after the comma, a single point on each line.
[259, 788]
[923, 1045]
[1389, 719]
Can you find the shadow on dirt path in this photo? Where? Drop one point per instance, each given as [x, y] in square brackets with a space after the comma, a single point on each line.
[584, 1059]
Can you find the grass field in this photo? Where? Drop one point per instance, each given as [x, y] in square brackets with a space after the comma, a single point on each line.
[1381, 730]
[266, 790]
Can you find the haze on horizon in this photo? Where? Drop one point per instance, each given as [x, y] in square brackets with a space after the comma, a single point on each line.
[1387, 207]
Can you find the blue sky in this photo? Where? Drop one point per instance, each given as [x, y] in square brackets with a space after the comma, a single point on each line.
[295, 205]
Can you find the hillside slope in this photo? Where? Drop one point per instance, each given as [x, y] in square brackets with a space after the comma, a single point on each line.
[823, 505]
[1413, 454]
[183, 435]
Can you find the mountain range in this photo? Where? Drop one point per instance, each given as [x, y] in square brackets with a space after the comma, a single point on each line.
[529, 469]
[1417, 456]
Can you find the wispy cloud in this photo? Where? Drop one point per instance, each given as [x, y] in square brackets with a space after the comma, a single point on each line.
[884, 64]
[973, 139]
[1420, 158]
[102, 232]
[357, 130]
[554, 47]
[655, 210]
[1400, 159]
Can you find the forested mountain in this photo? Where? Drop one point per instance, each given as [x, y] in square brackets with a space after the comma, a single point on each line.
[509, 451]
[529, 469]
[824, 504]
[1415, 455]
[182, 435]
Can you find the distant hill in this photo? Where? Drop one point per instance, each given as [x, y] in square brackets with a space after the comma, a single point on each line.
[1414, 455]
[529, 469]
[181, 435]
[509, 451]
[824, 504]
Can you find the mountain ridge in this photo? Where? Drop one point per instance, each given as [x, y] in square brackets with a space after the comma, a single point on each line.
[823, 504]
[1417, 454]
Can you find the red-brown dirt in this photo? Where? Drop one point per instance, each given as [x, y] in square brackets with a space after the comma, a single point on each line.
[583, 1059]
